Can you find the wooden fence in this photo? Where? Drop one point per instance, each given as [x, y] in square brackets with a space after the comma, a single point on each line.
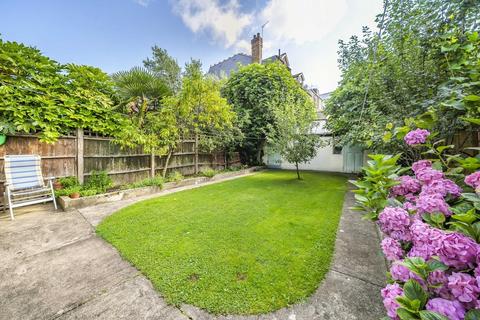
[81, 153]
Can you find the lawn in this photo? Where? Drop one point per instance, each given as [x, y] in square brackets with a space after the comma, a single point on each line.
[245, 246]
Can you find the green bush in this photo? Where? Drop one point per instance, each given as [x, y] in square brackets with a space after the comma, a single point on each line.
[175, 176]
[67, 191]
[68, 182]
[99, 180]
[149, 182]
[89, 192]
[209, 173]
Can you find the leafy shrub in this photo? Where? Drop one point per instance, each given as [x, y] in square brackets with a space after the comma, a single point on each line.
[209, 173]
[431, 221]
[68, 182]
[175, 176]
[149, 182]
[89, 192]
[67, 191]
[99, 180]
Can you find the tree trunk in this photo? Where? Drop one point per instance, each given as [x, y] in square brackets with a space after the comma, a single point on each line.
[259, 154]
[298, 172]
[165, 167]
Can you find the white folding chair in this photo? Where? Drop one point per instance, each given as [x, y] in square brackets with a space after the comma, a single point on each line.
[25, 184]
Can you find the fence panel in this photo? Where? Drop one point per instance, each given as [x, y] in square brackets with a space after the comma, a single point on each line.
[91, 152]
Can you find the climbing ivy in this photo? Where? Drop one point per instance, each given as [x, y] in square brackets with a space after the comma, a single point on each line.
[39, 95]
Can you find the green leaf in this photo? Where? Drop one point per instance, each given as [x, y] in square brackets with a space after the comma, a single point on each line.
[436, 265]
[472, 97]
[472, 120]
[437, 218]
[473, 315]
[404, 314]
[414, 291]
[430, 315]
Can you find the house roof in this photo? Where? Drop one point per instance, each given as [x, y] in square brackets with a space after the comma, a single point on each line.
[226, 67]
[326, 95]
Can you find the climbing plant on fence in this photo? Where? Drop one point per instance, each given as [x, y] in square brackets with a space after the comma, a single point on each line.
[37, 94]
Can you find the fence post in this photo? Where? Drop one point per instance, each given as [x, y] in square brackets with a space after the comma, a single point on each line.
[152, 165]
[80, 166]
[196, 153]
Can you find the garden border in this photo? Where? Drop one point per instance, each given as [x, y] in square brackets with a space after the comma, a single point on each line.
[66, 203]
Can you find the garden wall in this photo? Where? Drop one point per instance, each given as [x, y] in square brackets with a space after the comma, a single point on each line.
[81, 152]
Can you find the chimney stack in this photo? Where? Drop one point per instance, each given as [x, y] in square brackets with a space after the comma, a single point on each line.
[257, 45]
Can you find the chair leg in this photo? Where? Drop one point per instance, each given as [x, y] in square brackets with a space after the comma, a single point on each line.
[53, 194]
[9, 196]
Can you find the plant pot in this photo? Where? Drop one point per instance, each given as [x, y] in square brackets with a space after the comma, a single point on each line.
[3, 139]
[57, 185]
[75, 195]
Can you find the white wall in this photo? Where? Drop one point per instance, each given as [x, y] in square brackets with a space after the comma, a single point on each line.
[325, 160]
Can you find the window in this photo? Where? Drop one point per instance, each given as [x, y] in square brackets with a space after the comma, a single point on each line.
[337, 149]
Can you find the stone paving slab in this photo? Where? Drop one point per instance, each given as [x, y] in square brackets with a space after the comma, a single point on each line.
[42, 230]
[128, 300]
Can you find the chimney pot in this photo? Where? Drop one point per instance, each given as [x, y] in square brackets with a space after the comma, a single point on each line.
[257, 46]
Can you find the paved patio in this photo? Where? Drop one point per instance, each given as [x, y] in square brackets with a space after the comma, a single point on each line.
[53, 266]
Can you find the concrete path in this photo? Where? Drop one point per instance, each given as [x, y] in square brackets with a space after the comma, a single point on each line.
[53, 266]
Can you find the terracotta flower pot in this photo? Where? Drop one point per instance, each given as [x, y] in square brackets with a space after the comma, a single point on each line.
[57, 185]
[75, 195]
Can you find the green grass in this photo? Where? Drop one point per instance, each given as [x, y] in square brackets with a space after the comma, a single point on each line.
[245, 246]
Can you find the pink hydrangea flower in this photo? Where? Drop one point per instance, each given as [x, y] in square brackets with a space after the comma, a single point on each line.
[409, 206]
[417, 136]
[453, 310]
[392, 249]
[389, 295]
[395, 222]
[476, 272]
[473, 180]
[426, 240]
[421, 164]
[458, 251]
[408, 185]
[432, 203]
[401, 273]
[427, 175]
[437, 281]
[441, 187]
[463, 287]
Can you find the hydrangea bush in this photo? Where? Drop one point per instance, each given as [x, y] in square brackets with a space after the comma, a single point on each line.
[429, 215]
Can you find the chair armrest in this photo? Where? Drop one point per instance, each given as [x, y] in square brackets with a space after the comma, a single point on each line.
[49, 178]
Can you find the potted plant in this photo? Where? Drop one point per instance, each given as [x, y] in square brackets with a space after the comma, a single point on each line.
[74, 195]
[57, 185]
[74, 192]
[5, 129]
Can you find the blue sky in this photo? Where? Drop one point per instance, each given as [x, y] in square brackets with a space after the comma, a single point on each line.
[118, 34]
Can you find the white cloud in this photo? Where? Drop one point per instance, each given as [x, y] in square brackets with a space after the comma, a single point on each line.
[302, 21]
[308, 30]
[225, 22]
[143, 3]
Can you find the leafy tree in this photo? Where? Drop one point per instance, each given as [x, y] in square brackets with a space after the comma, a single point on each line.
[164, 67]
[301, 149]
[258, 92]
[198, 107]
[39, 95]
[140, 93]
[406, 73]
[293, 138]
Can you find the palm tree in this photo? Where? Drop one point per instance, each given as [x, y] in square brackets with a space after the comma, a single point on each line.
[139, 91]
